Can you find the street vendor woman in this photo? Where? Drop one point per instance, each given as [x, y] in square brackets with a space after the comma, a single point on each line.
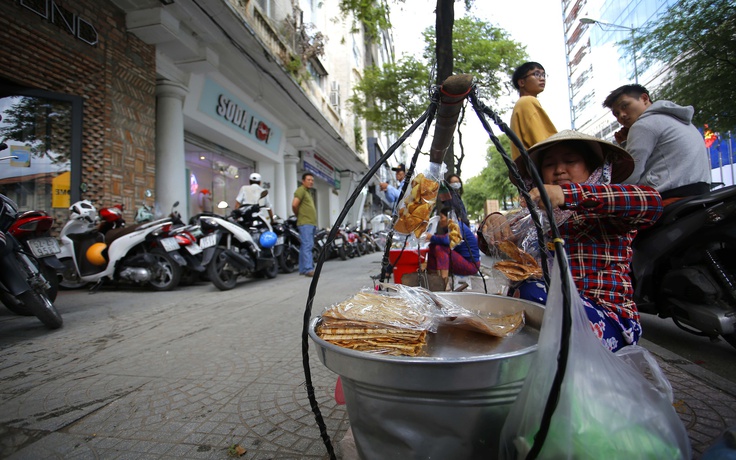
[598, 219]
[453, 248]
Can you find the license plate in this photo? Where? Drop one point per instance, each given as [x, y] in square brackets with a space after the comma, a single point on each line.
[208, 241]
[170, 244]
[338, 241]
[42, 247]
[193, 249]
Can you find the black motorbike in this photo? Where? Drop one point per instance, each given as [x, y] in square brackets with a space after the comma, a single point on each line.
[684, 267]
[24, 289]
[288, 235]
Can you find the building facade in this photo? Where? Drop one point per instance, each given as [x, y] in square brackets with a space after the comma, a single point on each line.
[104, 100]
[597, 61]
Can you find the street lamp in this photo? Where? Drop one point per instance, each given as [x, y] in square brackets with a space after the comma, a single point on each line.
[603, 26]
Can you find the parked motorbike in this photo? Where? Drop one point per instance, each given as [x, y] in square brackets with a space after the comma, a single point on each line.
[288, 234]
[94, 252]
[31, 230]
[353, 244]
[684, 267]
[23, 286]
[239, 245]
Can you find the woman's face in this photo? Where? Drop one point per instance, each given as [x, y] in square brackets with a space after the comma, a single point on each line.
[444, 221]
[562, 164]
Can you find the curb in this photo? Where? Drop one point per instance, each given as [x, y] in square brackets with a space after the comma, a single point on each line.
[691, 368]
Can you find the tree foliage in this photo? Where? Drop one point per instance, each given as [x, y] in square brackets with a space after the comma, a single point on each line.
[395, 95]
[482, 50]
[491, 184]
[697, 39]
[372, 14]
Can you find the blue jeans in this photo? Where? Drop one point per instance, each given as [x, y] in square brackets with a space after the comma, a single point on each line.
[306, 263]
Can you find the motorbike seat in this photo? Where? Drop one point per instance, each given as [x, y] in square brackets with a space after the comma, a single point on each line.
[687, 205]
[116, 233]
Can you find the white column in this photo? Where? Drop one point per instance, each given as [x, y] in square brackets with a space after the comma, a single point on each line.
[290, 180]
[171, 183]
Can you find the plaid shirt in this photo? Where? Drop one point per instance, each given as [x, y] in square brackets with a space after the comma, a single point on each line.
[598, 239]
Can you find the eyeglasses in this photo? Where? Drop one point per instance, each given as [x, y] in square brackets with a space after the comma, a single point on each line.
[538, 75]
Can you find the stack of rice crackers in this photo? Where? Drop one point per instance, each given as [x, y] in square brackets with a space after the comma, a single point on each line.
[377, 322]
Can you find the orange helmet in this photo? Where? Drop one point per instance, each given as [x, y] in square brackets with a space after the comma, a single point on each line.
[95, 255]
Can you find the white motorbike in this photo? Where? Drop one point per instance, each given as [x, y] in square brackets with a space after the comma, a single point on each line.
[95, 251]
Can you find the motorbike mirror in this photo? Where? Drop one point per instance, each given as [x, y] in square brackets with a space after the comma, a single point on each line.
[176, 203]
[222, 205]
[264, 193]
[148, 193]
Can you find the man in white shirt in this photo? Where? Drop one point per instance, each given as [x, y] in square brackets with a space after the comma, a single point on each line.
[251, 194]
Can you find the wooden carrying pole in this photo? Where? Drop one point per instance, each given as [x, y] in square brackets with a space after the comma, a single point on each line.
[452, 93]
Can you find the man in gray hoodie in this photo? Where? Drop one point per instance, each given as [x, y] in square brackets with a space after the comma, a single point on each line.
[669, 151]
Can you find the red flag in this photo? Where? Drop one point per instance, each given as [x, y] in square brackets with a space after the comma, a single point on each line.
[710, 136]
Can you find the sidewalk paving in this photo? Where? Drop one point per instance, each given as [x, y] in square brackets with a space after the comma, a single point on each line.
[186, 374]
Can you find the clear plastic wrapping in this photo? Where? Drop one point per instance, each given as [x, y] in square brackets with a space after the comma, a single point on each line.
[401, 308]
[450, 314]
[416, 206]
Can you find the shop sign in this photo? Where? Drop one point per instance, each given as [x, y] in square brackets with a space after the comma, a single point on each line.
[221, 105]
[71, 22]
[314, 164]
[61, 190]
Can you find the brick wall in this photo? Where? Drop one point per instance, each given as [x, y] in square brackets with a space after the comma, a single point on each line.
[116, 78]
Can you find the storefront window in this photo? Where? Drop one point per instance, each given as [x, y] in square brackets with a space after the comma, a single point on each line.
[214, 176]
[39, 135]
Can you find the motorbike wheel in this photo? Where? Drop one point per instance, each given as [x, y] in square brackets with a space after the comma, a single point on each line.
[272, 271]
[222, 274]
[289, 260]
[359, 250]
[53, 278]
[166, 273]
[315, 256]
[43, 308]
[342, 252]
[69, 277]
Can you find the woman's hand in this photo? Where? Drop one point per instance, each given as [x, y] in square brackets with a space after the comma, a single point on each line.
[556, 196]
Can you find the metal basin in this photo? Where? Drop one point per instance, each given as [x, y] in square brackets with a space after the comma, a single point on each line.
[451, 403]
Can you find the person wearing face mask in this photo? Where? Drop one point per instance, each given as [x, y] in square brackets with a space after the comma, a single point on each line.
[451, 196]
[669, 152]
[529, 121]
[597, 218]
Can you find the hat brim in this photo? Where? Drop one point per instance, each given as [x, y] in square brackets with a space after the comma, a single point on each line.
[622, 162]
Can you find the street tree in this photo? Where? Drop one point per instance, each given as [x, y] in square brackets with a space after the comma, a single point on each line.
[395, 95]
[491, 184]
[697, 40]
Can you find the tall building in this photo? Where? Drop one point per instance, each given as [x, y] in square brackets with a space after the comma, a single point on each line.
[597, 62]
[185, 98]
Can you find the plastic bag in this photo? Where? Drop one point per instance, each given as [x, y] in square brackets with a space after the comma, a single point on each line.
[606, 409]
[416, 206]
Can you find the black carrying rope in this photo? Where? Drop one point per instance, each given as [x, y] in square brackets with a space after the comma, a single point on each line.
[482, 111]
[428, 115]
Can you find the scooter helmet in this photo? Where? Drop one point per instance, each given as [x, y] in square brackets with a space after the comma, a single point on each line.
[255, 177]
[95, 254]
[83, 210]
[268, 239]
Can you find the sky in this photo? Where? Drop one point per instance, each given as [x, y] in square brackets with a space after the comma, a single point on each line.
[538, 27]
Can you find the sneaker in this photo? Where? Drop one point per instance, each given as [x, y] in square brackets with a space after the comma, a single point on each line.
[309, 273]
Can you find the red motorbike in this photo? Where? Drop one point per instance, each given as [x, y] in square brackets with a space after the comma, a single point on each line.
[31, 230]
